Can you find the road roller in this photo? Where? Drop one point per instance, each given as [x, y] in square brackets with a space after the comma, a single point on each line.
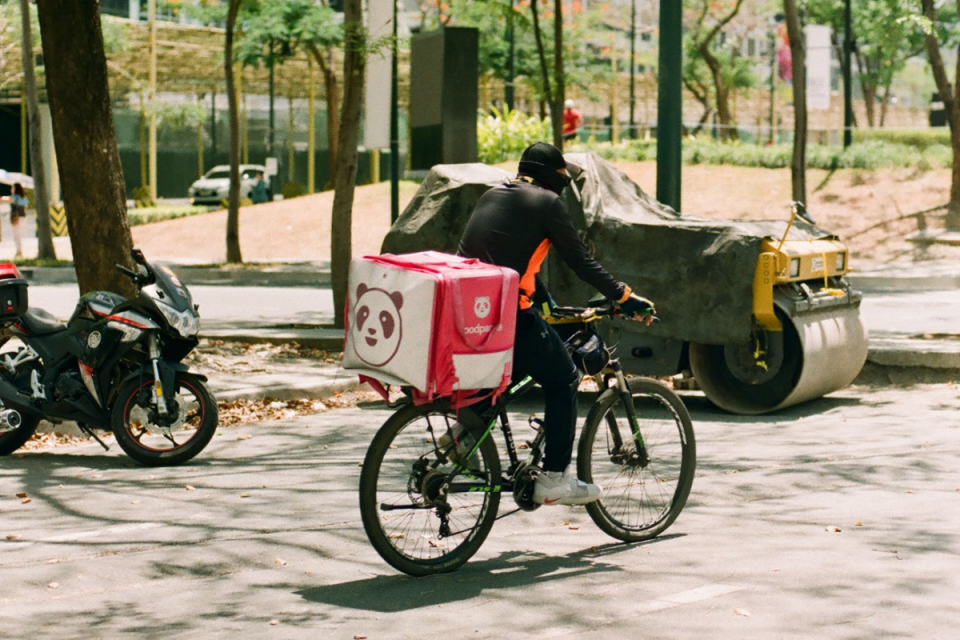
[807, 336]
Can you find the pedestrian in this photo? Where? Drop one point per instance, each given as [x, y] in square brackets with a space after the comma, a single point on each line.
[572, 120]
[18, 209]
[259, 192]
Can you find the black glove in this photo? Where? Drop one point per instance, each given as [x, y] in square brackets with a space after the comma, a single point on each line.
[637, 306]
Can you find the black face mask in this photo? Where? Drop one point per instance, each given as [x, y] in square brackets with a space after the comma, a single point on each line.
[547, 177]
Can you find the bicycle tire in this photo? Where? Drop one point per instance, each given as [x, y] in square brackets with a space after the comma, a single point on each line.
[628, 509]
[402, 463]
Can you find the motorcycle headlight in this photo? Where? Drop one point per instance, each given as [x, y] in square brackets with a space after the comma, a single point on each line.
[186, 323]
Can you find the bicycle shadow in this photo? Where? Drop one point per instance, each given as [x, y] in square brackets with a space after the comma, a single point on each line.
[510, 570]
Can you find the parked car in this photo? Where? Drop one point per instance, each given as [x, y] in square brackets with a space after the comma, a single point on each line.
[214, 186]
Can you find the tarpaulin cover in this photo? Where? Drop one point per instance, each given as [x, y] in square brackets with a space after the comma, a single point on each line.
[698, 271]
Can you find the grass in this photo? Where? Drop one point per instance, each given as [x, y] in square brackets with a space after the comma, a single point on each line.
[869, 154]
[146, 215]
[41, 262]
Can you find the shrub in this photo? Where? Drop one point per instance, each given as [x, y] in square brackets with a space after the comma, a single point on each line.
[292, 190]
[146, 215]
[502, 137]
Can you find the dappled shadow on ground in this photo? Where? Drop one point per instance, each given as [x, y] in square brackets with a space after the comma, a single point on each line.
[512, 570]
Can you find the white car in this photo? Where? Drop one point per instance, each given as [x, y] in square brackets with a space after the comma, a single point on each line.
[214, 186]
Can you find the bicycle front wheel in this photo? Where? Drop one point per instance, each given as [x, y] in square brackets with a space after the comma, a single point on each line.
[428, 494]
[646, 477]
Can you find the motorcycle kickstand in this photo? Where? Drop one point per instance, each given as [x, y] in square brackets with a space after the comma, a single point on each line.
[87, 430]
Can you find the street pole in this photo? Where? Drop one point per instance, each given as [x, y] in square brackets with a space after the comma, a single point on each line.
[153, 99]
[633, 67]
[311, 129]
[270, 124]
[670, 103]
[773, 77]
[847, 76]
[394, 126]
[511, 70]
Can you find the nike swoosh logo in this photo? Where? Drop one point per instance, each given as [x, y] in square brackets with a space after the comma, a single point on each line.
[549, 501]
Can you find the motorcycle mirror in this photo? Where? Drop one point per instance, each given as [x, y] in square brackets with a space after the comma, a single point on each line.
[138, 256]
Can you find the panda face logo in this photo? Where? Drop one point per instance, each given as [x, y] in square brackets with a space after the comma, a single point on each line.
[377, 327]
[481, 307]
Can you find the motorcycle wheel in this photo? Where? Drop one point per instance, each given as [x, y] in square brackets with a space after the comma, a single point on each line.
[143, 436]
[13, 440]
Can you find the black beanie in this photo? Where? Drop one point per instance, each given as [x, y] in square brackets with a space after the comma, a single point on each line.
[542, 162]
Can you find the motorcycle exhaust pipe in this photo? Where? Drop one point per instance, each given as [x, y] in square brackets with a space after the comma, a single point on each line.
[9, 420]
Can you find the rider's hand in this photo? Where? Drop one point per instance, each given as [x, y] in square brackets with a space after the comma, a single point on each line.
[639, 308]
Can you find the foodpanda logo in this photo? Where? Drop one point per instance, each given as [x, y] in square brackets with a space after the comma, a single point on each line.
[481, 307]
[377, 326]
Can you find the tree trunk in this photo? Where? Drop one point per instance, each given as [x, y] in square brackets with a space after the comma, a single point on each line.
[233, 199]
[885, 103]
[556, 107]
[798, 167]
[341, 233]
[951, 110]
[326, 61]
[45, 248]
[544, 73]
[90, 173]
[869, 90]
[722, 92]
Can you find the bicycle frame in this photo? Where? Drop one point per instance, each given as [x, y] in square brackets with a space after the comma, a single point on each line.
[498, 413]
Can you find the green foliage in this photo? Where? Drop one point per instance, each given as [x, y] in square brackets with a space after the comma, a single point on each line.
[298, 23]
[292, 190]
[146, 215]
[920, 138]
[869, 154]
[502, 137]
[179, 115]
[141, 196]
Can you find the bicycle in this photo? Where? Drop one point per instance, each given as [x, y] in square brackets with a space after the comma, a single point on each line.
[431, 481]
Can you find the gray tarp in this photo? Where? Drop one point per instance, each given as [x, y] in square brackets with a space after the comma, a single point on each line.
[698, 271]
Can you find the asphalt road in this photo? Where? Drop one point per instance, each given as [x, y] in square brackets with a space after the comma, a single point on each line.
[836, 519]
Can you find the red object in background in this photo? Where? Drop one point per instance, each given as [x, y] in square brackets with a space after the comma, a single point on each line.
[785, 64]
[572, 119]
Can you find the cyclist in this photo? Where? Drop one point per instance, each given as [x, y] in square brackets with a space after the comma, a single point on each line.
[514, 225]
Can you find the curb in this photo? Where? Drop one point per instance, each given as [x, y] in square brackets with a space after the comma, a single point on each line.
[295, 275]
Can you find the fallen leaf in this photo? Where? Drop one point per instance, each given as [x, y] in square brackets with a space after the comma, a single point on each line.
[435, 544]
[53, 585]
[244, 437]
[26, 501]
[21, 495]
[53, 561]
[189, 488]
[134, 502]
[359, 637]
[574, 528]
[244, 495]
[566, 524]
[742, 612]
[908, 491]
[396, 536]
[326, 446]
[859, 524]
[13, 537]
[274, 622]
[280, 561]
[833, 529]
[359, 464]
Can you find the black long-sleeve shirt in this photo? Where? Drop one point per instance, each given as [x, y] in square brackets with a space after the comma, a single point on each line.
[515, 224]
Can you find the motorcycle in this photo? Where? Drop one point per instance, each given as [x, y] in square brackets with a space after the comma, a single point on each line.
[115, 365]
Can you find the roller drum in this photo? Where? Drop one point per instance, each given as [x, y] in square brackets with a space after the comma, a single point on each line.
[823, 351]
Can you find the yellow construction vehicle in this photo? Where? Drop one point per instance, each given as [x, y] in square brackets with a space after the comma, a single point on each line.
[808, 337]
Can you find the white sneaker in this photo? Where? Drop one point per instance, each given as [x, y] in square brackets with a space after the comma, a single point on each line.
[555, 487]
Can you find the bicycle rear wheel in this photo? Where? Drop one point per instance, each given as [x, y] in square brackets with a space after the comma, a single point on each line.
[426, 506]
[640, 498]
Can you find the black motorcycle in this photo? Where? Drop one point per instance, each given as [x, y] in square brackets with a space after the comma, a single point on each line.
[115, 365]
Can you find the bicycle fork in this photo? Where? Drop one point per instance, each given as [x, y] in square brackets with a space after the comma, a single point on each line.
[641, 457]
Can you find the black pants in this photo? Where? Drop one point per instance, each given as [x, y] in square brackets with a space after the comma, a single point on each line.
[540, 353]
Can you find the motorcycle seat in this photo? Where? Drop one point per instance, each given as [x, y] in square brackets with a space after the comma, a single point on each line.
[38, 322]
